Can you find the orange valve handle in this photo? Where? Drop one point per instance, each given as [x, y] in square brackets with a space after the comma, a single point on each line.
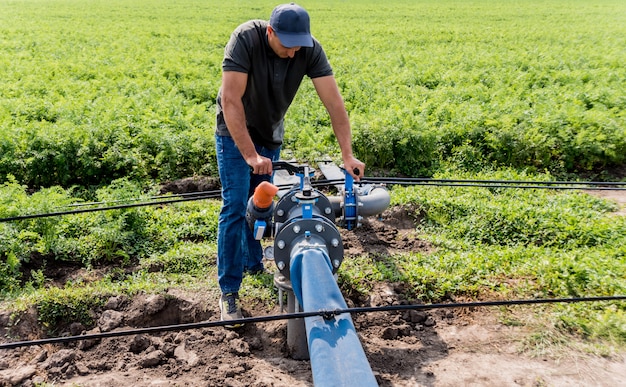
[264, 194]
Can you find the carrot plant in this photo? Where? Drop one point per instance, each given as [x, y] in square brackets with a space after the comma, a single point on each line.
[127, 89]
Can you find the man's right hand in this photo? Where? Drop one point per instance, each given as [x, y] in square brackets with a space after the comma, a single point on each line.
[260, 165]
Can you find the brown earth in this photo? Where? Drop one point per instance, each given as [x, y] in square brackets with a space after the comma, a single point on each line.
[618, 197]
[451, 347]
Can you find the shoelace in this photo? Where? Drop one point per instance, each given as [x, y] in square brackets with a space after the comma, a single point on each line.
[231, 301]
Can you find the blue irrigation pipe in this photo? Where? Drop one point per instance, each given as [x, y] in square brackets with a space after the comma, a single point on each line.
[336, 354]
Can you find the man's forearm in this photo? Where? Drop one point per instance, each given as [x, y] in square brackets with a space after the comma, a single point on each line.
[328, 92]
[235, 118]
[341, 127]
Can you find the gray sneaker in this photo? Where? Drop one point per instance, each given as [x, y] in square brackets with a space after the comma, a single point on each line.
[230, 309]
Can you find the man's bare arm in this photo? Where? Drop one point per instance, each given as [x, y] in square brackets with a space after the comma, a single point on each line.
[328, 92]
[233, 87]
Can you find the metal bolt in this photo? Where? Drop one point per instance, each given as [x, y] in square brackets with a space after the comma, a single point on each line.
[319, 228]
[280, 244]
[281, 265]
[280, 212]
[334, 242]
[328, 210]
[336, 263]
[296, 229]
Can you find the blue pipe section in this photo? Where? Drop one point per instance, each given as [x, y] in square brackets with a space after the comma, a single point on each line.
[336, 353]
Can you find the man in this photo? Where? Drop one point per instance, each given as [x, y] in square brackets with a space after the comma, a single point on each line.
[264, 64]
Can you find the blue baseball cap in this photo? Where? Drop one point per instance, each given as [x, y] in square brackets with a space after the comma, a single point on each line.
[292, 25]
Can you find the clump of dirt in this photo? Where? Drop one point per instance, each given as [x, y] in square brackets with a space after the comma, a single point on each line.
[191, 185]
[394, 231]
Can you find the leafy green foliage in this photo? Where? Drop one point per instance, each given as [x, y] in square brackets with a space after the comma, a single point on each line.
[184, 258]
[122, 93]
[518, 243]
[9, 273]
[60, 306]
[118, 236]
[528, 217]
[127, 89]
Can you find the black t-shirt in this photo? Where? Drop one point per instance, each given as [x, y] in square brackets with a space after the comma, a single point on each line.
[272, 81]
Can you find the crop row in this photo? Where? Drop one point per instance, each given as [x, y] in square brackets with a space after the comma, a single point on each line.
[127, 89]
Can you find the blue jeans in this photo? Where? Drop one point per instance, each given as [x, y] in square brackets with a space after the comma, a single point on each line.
[237, 250]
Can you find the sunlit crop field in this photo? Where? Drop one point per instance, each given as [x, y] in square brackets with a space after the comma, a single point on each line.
[109, 98]
[96, 90]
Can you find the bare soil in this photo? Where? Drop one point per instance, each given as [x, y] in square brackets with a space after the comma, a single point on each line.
[454, 347]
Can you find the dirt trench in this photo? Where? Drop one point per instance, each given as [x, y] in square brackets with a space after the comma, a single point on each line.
[451, 347]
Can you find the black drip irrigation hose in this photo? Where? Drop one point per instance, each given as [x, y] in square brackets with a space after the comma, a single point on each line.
[212, 193]
[519, 184]
[166, 200]
[326, 314]
[426, 179]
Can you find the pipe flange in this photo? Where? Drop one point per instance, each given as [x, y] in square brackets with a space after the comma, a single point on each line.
[289, 200]
[307, 232]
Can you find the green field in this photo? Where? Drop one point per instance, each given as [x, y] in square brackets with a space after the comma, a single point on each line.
[104, 100]
[96, 90]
